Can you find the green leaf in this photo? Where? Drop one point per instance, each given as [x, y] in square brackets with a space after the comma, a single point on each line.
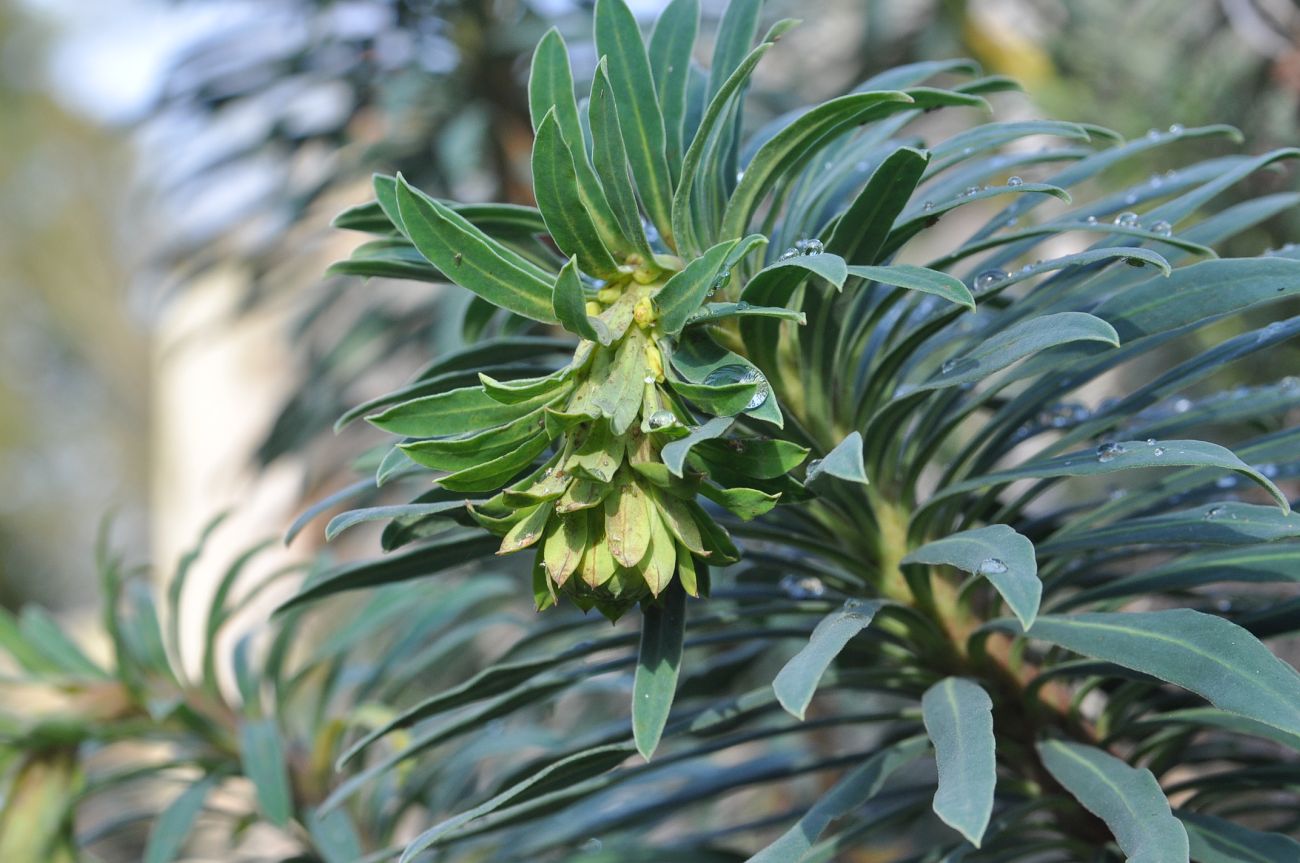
[343, 521]
[723, 400]
[1254, 564]
[1018, 341]
[618, 38]
[674, 454]
[1118, 456]
[795, 145]
[611, 162]
[844, 462]
[262, 755]
[571, 306]
[470, 258]
[848, 795]
[550, 87]
[921, 279]
[686, 291]
[671, 45]
[1214, 840]
[335, 836]
[997, 553]
[687, 214]
[1128, 799]
[713, 312]
[663, 626]
[169, 832]
[424, 560]
[1205, 654]
[555, 184]
[958, 717]
[796, 682]
[860, 233]
[458, 411]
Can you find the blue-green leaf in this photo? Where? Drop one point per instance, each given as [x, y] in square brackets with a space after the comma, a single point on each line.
[997, 553]
[958, 717]
[850, 793]
[1128, 799]
[571, 306]
[663, 626]
[169, 832]
[262, 755]
[1214, 840]
[618, 38]
[470, 258]
[796, 682]
[1200, 652]
[844, 462]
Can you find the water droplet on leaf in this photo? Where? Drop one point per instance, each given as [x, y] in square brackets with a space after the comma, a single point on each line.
[992, 566]
[988, 279]
[1127, 219]
[738, 374]
[1107, 451]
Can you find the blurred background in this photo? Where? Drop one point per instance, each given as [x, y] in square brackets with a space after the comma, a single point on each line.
[169, 344]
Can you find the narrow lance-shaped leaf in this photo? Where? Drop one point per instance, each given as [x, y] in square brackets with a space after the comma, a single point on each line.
[671, 45]
[849, 794]
[796, 682]
[958, 717]
[843, 462]
[686, 291]
[997, 553]
[571, 306]
[1128, 799]
[469, 259]
[674, 454]
[915, 278]
[611, 161]
[1206, 654]
[663, 626]
[262, 754]
[1214, 840]
[555, 185]
[1116, 456]
[618, 37]
[550, 87]
[169, 832]
[861, 231]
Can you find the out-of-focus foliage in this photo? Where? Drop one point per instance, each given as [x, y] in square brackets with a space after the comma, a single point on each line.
[72, 361]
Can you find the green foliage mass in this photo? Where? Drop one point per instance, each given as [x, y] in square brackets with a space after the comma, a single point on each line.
[805, 403]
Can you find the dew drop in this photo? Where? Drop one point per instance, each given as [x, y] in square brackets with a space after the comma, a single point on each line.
[1015, 181]
[1107, 451]
[992, 566]
[1162, 228]
[948, 366]
[1153, 134]
[738, 374]
[1176, 129]
[802, 587]
[928, 206]
[1214, 512]
[989, 278]
[1091, 220]
[810, 247]
[1158, 451]
[660, 420]
[1127, 219]
[592, 844]
[1182, 406]
[1151, 441]
[971, 190]
[788, 254]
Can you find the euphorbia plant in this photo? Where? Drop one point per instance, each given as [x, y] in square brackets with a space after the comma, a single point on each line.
[706, 331]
